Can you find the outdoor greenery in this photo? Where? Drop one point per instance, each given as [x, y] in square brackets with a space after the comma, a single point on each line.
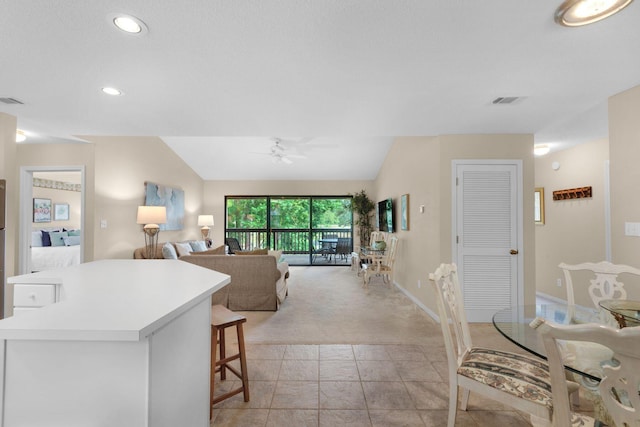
[289, 213]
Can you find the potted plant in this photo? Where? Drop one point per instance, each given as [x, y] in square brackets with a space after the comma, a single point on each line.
[362, 205]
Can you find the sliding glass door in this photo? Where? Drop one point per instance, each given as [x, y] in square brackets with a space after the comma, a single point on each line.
[309, 230]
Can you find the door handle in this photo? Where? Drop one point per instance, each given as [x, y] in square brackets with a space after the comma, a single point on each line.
[513, 252]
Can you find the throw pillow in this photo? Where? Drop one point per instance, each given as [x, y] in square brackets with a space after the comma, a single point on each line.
[217, 251]
[57, 238]
[36, 239]
[183, 249]
[169, 252]
[253, 252]
[198, 246]
[71, 240]
[277, 254]
[73, 232]
[46, 238]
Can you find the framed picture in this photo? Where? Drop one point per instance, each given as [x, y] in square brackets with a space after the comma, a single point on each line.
[404, 212]
[41, 210]
[539, 205]
[61, 212]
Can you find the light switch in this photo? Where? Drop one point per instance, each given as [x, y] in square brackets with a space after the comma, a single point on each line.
[632, 229]
[103, 223]
[421, 208]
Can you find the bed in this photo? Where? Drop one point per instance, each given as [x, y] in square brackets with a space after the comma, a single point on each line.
[48, 257]
[45, 255]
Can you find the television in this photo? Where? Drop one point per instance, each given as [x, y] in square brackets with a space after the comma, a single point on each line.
[385, 215]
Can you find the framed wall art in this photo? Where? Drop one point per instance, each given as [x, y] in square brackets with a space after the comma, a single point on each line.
[41, 210]
[61, 212]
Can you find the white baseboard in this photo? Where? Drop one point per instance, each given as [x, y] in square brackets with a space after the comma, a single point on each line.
[550, 298]
[417, 302]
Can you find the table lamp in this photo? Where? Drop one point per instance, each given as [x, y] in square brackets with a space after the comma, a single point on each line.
[205, 221]
[151, 216]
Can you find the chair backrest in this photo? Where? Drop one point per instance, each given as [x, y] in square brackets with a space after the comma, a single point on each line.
[377, 236]
[451, 312]
[390, 253]
[605, 285]
[343, 246]
[234, 245]
[620, 383]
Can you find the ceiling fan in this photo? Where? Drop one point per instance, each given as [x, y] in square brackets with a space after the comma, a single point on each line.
[279, 154]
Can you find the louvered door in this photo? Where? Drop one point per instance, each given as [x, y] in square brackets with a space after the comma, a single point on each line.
[487, 247]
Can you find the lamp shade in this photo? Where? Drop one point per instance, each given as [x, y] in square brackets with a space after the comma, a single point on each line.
[205, 220]
[152, 215]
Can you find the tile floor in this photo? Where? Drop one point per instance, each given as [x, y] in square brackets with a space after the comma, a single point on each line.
[351, 385]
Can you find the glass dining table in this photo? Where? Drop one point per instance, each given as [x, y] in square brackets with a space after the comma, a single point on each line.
[513, 324]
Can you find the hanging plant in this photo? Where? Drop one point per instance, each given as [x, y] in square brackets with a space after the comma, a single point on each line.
[363, 206]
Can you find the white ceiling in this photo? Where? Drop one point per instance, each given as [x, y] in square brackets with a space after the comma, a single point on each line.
[217, 80]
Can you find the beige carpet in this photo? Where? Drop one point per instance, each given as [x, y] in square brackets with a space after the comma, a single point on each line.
[328, 305]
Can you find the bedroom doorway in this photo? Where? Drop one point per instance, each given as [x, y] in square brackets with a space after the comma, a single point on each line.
[60, 194]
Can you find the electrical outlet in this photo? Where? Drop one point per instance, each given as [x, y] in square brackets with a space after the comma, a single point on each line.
[419, 283]
[559, 283]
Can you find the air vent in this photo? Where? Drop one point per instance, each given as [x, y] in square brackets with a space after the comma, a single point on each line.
[505, 100]
[10, 101]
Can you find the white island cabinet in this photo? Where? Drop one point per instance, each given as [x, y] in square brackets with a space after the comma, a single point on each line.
[124, 343]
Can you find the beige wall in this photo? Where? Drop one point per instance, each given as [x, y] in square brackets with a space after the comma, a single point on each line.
[122, 166]
[9, 172]
[421, 167]
[214, 192]
[624, 140]
[574, 230]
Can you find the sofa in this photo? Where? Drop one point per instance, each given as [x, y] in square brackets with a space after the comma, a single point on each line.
[258, 282]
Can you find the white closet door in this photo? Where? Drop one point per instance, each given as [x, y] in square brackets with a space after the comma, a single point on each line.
[486, 234]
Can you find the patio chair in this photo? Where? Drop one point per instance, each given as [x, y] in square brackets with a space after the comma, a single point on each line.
[620, 381]
[234, 245]
[515, 380]
[343, 248]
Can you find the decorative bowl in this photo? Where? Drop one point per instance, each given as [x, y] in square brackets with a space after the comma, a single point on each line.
[379, 245]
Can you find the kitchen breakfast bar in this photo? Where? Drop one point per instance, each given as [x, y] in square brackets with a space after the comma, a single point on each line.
[123, 343]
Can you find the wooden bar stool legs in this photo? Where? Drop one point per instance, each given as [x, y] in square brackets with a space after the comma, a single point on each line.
[222, 318]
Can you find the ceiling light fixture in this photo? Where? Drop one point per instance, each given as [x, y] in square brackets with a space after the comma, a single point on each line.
[127, 23]
[112, 91]
[574, 13]
[20, 136]
[541, 150]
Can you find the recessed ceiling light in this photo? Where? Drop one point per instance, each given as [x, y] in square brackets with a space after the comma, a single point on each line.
[541, 150]
[112, 91]
[20, 136]
[127, 23]
[574, 13]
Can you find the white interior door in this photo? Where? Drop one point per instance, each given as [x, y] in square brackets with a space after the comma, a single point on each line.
[487, 228]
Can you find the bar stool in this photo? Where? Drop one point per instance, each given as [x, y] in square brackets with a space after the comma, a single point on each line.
[222, 318]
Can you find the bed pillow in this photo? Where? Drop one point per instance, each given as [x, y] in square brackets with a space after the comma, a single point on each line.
[71, 240]
[36, 239]
[57, 237]
[169, 251]
[198, 246]
[253, 252]
[183, 249]
[46, 238]
[73, 232]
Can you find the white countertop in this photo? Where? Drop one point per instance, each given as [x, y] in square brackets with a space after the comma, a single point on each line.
[109, 300]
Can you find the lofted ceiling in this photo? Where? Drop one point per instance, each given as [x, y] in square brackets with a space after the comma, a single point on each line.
[337, 80]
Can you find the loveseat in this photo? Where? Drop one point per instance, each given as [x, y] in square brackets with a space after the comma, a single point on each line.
[258, 282]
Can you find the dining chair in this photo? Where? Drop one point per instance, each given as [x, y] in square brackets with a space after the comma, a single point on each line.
[605, 284]
[383, 266]
[519, 381]
[621, 378]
